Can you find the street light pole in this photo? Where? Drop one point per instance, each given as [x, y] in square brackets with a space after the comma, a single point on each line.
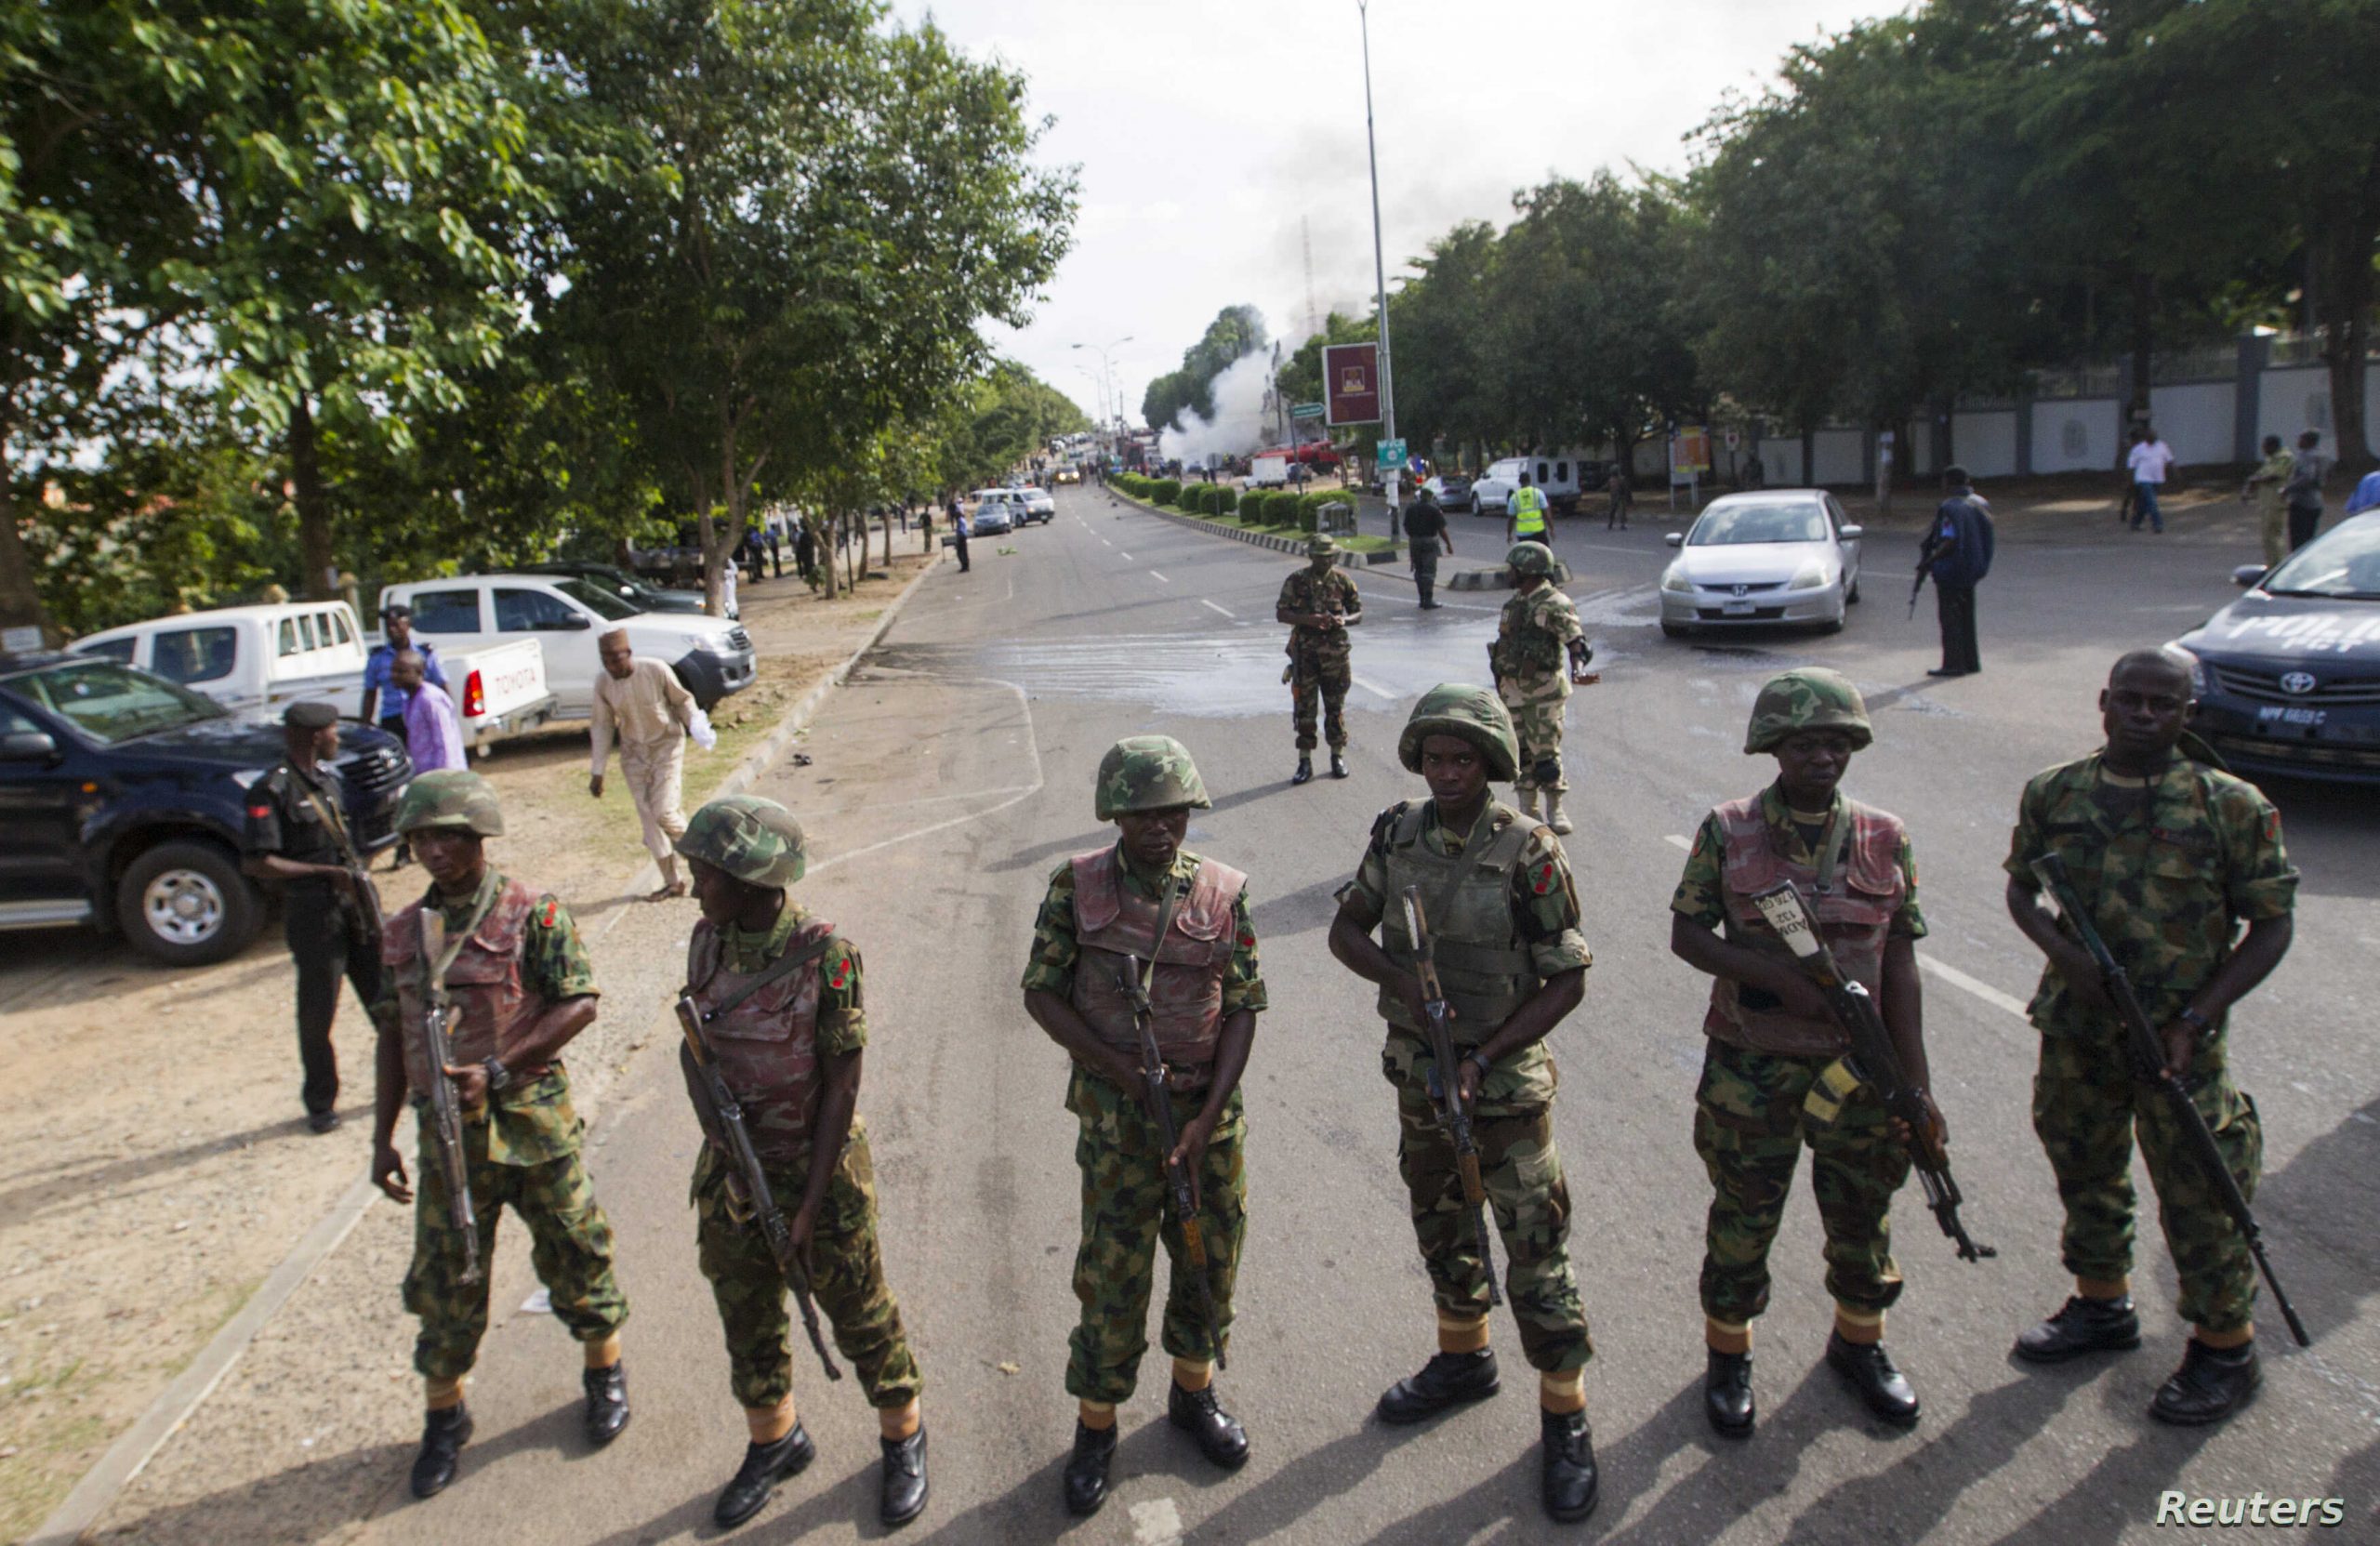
[1107, 367]
[1380, 269]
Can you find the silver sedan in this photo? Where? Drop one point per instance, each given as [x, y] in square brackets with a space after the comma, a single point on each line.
[1776, 557]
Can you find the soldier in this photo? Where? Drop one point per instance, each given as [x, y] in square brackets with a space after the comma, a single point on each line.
[296, 834]
[1504, 917]
[521, 986]
[1104, 913]
[1539, 626]
[1321, 604]
[2170, 855]
[789, 1041]
[1774, 1044]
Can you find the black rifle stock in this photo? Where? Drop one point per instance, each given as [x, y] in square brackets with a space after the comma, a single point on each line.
[445, 1106]
[748, 1193]
[1177, 1177]
[1873, 1058]
[1925, 567]
[2148, 1068]
[1452, 1113]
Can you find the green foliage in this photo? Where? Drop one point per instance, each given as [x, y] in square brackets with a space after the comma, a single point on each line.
[1227, 500]
[1165, 491]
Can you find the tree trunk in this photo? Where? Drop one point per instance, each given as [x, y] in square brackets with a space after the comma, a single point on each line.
[318, 564]
[2144, 341]
[20, 596]
[2343, 253]
[888, 542]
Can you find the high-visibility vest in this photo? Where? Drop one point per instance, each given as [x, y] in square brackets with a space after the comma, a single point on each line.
[1529, 511]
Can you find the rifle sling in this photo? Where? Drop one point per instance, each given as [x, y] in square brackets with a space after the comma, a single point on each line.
[1444, 895]
[1173, 896]
[776, 971]
[455, 938]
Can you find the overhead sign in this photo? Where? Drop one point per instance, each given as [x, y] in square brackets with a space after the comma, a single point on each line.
[1351, 383]
[1392, 453]
[1305, 410]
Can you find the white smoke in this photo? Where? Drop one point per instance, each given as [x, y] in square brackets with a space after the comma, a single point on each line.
[1239, 425]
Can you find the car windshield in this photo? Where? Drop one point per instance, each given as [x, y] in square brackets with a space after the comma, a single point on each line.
[1726, 525]
[112, 702]
[2343, 562]
[595, 599]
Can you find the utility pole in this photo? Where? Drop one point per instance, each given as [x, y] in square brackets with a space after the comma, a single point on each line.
[1380, 271]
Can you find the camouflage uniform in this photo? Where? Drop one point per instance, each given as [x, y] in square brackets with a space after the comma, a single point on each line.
[522, 1149]
[1512, 1121]
[1318, 661]
[1124, 1194]
[2169, 866]
[1530, 661]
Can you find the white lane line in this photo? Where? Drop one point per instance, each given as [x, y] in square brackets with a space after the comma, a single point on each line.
[1224, 610]
[1159, 578]
[1104, 543]
[1125, 556]
[1024, 792]
[1676, 841]
[1371, 687]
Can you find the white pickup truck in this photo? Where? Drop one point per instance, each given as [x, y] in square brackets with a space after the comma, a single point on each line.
[711, 656]
[254, 660]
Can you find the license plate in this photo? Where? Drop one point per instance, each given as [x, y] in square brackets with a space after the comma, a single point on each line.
[1736, 609]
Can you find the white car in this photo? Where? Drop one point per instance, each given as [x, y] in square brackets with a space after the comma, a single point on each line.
[1561, 476]
[1776, 556]
[1040, 504]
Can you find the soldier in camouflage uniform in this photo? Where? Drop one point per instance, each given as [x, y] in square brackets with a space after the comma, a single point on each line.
[2171, 856]
[1772, 1070]
[521, 986]
[1103, 910]
[1538, 627]
[1320, 603]
[1505, 917]
[788, 1041]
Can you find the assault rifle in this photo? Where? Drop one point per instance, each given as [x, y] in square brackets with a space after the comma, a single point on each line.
[748, 1194]
[1452, 1113]
[1925, 567]
[1177, 1177]
[2148, 1068]
[1872, 1058]
[445, 1107]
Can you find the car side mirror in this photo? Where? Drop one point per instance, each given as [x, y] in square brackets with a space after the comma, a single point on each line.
[2247, 575]
[28, 745]
[1675, 539]
[1851, 534]
[575, 623]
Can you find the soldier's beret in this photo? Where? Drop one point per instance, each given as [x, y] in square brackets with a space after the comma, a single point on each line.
[310, 716]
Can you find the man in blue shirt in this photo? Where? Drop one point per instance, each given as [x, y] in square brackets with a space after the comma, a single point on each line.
[2366, 496]
[1958, 554]
[384, 701]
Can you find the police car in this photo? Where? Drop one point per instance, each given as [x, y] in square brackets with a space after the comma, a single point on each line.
[2287, 676]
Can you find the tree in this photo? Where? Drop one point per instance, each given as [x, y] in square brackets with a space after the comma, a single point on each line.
[1236, 331]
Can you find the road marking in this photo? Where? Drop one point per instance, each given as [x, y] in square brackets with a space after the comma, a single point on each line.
[1224, 610]
[1371, 687]
[1023, 791]
[1159, 578]
[1676, 842]
[1125, 556]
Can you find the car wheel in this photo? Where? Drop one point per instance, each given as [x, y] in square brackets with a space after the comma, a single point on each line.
[186, 904]
[1674, 631]
[1851, 597]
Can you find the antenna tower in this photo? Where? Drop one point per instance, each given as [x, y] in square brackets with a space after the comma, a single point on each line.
[1313, 312]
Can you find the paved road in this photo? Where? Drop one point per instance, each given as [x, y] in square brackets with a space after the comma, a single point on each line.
[955, 773]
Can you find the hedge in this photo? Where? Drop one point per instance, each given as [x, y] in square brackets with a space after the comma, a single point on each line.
[1165, 491]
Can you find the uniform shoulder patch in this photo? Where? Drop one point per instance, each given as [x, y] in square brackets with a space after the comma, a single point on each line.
[552, 910]
[1545, 875]
[1382, 823]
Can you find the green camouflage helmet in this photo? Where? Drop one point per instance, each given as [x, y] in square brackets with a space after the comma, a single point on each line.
[1148, 772]
[1531, 558]
[756, 840]
[1808, 697]
[1319, 546]
[454, 797]
[1474, 713]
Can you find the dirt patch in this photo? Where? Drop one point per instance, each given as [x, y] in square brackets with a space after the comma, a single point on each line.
[155, 1165]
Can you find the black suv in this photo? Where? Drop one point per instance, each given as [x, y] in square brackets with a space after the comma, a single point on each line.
[122, 800]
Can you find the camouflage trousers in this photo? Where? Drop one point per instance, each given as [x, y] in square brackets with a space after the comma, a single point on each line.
[1537, 703]
[1127, 1209]
[1325, 676]
[2088, 1109]
[1749, 1130]
[846, 1279]
[1530, 1200]
[570, 1247]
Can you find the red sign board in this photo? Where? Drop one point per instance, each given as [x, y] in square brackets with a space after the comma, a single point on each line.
[1351, 382]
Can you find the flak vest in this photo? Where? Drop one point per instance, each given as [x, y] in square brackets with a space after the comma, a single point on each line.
[494, 1007]
[1484, 966]
[1186, 994]
[1853, 915]
[767, 1046]
[1529, 512]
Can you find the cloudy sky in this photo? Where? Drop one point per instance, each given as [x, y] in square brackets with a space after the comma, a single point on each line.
[1213, 135]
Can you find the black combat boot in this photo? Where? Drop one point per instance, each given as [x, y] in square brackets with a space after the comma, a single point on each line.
[1305, 770]
[1727, 1394]
[1220, 1437]
[1087, 1468]
[443, 1434]
[1447, 1379]
[607, 1403]
[2212, 1383]
[2083, 1325]
[1338, 764]
[903, 1497]
[1569, 1466]
[764, 1466]
[1867, 1369]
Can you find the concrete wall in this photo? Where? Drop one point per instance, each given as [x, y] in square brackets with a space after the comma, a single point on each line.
[1985, 443]
[1837, 457]
[2077, 434]
[1780, 458]
[2294, 400]
[2197, 420]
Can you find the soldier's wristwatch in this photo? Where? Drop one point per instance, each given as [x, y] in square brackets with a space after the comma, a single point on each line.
[1478, 1060]
[498, 1076]
[2201, 1026]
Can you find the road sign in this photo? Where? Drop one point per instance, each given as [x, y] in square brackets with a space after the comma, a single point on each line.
[1690, 450]
[1351, 383]
[1392, 453]
[1305, 410]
